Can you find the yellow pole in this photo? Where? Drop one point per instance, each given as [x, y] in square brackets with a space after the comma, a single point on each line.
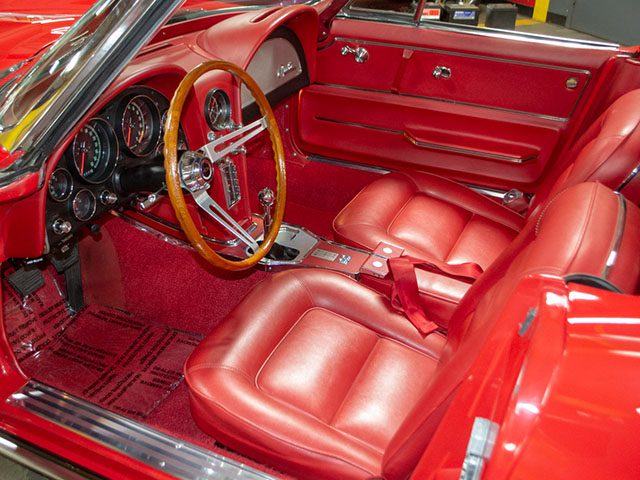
[540, 10]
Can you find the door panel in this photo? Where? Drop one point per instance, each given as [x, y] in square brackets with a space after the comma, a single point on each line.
[497, 121]
[400, 132]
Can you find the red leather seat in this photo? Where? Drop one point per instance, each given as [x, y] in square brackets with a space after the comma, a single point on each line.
[432, 217]
[315, 374]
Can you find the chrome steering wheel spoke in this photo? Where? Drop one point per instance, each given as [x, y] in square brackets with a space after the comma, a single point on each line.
[237, 138]
[219, 214]
[196, 173]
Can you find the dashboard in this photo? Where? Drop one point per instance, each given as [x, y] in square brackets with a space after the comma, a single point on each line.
[99, 169]
[115, 158]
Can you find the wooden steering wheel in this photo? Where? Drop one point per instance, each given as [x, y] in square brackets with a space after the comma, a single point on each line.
[194, 170]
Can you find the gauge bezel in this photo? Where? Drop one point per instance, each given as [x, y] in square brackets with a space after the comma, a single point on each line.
[67, 196]
[94, 203]
[225, 109]
[112, 157]
[156, 128]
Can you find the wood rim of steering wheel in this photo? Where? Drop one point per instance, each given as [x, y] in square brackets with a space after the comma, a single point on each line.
[173, 179]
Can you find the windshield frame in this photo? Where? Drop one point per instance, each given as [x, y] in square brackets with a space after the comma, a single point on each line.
[29, 138]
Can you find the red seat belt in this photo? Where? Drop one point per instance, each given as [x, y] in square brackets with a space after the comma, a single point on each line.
[405, 296]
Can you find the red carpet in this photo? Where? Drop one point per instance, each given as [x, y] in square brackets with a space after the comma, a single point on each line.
[103, 355]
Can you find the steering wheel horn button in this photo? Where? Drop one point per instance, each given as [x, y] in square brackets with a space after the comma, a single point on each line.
[196, 171]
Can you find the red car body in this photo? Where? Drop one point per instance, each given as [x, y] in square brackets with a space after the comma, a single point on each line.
[576, 412]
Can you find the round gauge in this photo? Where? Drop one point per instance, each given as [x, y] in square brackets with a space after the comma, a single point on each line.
[217, 110]
[95, 151]
[60, 185]
[140, 125]
[83, 205]
[182, 139]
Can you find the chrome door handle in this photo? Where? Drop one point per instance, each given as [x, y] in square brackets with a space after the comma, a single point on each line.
[360, 54]
[441, 72]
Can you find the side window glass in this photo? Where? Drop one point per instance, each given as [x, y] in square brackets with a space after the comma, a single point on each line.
[578, 20]
[406, 7]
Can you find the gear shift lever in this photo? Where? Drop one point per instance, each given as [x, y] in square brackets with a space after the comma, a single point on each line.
[267, 199]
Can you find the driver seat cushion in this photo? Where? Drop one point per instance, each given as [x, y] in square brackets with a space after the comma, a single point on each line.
[313, 367]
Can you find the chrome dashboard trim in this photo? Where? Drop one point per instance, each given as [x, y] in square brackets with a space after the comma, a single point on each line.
[165, 453]
[617, 238]
[433, 146]
[444, 100]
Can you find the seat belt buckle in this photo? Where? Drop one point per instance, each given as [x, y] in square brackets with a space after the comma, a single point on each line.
[516, 200]
[376, 265]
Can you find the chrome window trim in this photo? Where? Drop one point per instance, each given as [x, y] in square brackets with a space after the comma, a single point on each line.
[30, 132]
[487, 32]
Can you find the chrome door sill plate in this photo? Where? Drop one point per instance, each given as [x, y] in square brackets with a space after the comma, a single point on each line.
[163, 452]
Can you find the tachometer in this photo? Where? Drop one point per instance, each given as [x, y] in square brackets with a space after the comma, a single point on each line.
[217, 110]
[140, 125]
[95, 151]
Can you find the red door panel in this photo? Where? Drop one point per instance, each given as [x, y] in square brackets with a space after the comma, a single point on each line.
[498, 120]
[400, 132]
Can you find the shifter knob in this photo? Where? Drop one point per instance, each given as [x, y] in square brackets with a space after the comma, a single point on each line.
[267, 198]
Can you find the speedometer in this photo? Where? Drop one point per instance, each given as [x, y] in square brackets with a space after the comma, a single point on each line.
[95, 151]
[140, 125]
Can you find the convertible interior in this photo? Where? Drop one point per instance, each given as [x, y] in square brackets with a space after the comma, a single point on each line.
[286, 241]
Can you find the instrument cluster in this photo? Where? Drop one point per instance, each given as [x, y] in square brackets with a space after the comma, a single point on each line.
[127, 133]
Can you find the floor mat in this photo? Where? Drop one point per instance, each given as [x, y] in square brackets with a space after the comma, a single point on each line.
[101, 354]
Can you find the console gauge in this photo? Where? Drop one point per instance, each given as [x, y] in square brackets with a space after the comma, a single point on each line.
[217, 110]
[84, 205]
[60, 185]
[95, 151]
[140, 125]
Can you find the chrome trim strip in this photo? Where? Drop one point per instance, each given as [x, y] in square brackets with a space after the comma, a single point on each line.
[444, 100]
[490, 32]
[31, 459]
[618, 236]
[629, 179]
[433, 146]
[489, 192]
[347, 164]
[465, 151]
[460, 54]
[163, 452]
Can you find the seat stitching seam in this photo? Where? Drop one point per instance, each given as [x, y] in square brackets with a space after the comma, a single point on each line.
[455, 244]
[346, 395]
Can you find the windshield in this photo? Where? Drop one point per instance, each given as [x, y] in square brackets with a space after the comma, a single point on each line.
[196, 8]
[39, 108]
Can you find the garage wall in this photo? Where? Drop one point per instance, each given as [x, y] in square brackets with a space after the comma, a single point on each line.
[614, 20]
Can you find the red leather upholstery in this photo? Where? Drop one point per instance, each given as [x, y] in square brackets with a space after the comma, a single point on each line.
[315, 374]
[607, 152]
[431, 217]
